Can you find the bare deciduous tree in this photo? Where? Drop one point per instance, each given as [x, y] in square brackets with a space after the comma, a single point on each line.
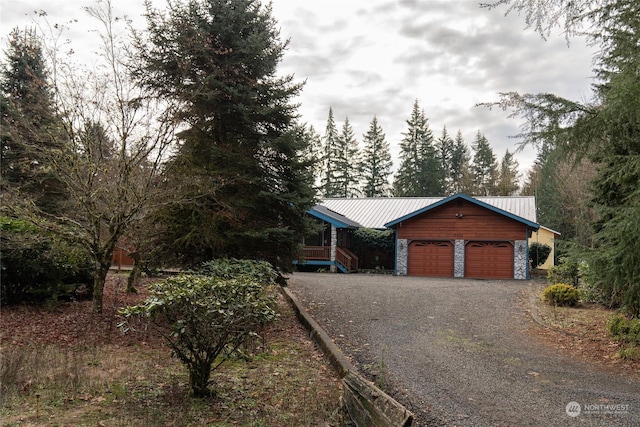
[116, 139]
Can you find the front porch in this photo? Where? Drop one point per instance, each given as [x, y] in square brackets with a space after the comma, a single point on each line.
[344, 260]
[329, 244]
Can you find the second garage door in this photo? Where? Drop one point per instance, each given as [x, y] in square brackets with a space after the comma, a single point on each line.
[433, 259]
[489, 260]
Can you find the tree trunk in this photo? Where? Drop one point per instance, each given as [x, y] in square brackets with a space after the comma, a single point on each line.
[199, 379]
[134, 276]
[99, 279]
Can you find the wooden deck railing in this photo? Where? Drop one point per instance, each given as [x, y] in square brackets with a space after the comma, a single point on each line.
[317, 252]
[323, 253]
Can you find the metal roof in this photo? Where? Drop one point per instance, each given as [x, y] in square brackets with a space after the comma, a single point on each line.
[332, 217]
[377, 211]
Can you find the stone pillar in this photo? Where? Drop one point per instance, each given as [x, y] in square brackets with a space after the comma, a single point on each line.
[458, 259]
[334, 244]
[402, 257]
[520, 260]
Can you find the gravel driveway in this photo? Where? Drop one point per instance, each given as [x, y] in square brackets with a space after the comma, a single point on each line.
[459, 352]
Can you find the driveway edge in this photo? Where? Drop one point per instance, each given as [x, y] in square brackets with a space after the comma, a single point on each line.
[366, 404]
[338, 360]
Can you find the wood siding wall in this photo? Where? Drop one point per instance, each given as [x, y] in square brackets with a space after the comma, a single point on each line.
[461, 220]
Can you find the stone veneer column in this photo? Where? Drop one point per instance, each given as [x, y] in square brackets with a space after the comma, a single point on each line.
[458, 259]
[334, 243]
[402, 255]
[520, 260]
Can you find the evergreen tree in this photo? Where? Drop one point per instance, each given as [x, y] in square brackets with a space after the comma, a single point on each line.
[430, 176]
[419, 172]
[446, 147]
[329, 183]
[313, 153]
[461, 177]
[29, 128]
[509, 175]
[484, 167]
[531, 181]
[606, 131]
[241, 186]
[376, 161]
[347, 162]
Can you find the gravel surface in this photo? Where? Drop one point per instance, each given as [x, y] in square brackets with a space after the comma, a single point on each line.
[459, 352]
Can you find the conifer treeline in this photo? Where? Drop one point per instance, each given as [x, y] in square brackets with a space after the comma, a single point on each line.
[427, 166]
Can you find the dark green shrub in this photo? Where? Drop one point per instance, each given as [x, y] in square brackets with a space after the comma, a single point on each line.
[567, 271]
[36, 266]
[374, 248]
[562, 295]
[208, 319]
[372, 239]
[538, 252]
[624, 329]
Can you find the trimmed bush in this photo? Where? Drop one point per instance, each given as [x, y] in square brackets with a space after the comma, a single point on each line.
[538, 252]
[562, 295]
[208, 318]
[232, 268]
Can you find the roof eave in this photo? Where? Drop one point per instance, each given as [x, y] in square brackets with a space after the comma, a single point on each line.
[333, 221]
[525, 221]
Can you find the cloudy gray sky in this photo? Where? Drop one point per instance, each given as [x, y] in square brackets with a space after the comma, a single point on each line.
[376, 57]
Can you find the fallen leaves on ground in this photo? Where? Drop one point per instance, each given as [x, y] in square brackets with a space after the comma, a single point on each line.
[580, 331]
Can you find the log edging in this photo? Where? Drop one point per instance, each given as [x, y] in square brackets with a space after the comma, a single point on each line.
[366, 404]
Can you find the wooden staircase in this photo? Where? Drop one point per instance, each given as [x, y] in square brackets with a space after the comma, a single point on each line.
[346, 261]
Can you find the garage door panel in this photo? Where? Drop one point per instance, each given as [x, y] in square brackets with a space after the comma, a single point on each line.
[433, 259]
[489, 260]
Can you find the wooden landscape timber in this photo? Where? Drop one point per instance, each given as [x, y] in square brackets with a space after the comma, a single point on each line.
[369, 406]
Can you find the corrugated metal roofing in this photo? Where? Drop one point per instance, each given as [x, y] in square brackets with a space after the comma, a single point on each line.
[335, 218]
[376, 212]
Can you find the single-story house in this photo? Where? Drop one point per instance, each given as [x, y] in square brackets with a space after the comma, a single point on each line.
[456, 236]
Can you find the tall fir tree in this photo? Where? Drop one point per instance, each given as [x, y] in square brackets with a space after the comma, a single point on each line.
[242, 187]
[484, 167]
[376, 162]
[419, 172]
[347, 162]
[313, 153]
[30, 129]
[461, 176]
[430, 176]
[445, 150]
[329, 183]
[509, 176]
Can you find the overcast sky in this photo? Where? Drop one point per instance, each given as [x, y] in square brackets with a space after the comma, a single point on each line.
[376, 57]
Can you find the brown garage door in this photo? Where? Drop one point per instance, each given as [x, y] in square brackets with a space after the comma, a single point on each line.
[431, 259]
[489, 260]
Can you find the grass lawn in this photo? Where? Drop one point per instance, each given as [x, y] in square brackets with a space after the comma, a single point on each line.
[61, 365]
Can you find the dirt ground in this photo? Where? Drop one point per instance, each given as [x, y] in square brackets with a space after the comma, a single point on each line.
[67, 366]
